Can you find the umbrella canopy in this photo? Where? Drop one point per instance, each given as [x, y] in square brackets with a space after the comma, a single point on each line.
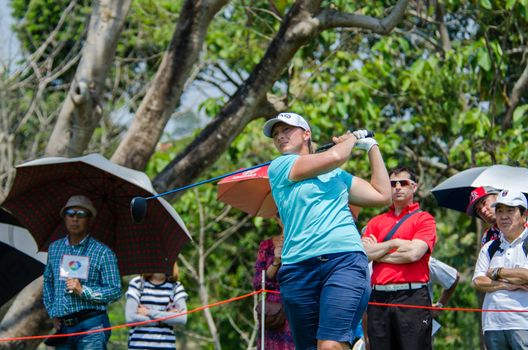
[453, 193]
[21, 262]
[249, 191]
[42, 187]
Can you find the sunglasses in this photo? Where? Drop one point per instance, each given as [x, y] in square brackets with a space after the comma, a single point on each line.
[80, 213]
[403, 182]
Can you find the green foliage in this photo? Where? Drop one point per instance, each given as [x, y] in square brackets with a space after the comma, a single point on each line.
[432, 109]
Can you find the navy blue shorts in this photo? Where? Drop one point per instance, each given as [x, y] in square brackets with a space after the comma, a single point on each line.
[325, 297]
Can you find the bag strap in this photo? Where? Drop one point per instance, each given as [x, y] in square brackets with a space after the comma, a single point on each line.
[495, 247]
[397, 226]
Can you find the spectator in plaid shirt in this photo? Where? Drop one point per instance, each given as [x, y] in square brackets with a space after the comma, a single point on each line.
[79, 304]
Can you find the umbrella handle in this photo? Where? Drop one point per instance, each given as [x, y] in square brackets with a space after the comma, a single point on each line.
[327, 146]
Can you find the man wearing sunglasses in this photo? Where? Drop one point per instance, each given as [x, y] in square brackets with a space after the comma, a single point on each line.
[81, 278]
[400, 242]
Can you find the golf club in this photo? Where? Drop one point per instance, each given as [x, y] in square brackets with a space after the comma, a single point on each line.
[138, 205]
[332, 144]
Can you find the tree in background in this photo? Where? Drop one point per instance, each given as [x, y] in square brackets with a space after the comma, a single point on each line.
[443, 91]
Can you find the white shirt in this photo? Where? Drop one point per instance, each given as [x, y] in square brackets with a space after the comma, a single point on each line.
[510, 255]
[442, 274]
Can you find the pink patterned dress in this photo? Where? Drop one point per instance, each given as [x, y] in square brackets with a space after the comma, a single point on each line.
[275, 339]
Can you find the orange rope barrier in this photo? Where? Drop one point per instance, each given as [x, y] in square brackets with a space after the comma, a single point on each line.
[236, 299]
[134, 323]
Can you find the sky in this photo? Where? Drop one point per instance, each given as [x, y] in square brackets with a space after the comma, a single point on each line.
[9, 45]
[191, 99]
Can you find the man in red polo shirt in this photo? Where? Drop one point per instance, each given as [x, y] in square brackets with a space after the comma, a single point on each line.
[400, 269]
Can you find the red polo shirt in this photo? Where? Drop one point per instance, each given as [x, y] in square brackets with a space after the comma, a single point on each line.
[419, 226]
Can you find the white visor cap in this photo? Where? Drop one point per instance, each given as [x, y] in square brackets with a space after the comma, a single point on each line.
[287, 118]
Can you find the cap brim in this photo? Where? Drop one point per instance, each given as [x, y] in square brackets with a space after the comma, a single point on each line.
[268, 126]
[470, 210]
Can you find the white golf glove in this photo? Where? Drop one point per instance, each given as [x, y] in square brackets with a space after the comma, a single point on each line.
[363, 141]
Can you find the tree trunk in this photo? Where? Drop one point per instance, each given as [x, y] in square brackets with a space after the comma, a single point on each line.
[302, 23]
[242, 108]
[26, 316]
[77, 120]
[163, 96]
[83, 107]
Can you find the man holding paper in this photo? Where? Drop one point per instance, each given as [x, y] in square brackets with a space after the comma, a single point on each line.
[81, 278]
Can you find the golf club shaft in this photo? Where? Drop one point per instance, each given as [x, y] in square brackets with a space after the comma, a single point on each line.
[320, 149]
[207, 181]
[324, 147]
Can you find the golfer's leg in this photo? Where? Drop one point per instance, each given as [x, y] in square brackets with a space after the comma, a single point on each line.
[300, 296]
[344, 298]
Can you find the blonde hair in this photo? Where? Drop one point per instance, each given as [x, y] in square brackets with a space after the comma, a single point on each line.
[175, 273]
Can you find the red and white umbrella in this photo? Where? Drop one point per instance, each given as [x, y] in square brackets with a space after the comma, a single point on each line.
[250, 191]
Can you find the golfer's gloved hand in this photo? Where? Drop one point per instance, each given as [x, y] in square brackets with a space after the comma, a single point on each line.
[363, 141]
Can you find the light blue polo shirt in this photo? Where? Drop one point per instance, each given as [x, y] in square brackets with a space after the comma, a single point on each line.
[315, 212]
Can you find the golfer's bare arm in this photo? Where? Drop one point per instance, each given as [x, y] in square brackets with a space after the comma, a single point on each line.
[315, 164]
[406, 253]
[377, 192]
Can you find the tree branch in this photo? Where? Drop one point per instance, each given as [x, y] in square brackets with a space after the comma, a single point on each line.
[330, 18]
[515, 98]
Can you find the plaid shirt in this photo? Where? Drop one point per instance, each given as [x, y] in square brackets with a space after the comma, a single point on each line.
[102, 287]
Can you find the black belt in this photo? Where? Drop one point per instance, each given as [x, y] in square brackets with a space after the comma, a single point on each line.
[75, 318]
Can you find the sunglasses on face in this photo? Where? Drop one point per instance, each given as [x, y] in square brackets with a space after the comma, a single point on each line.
[80, 213]
[403, 182]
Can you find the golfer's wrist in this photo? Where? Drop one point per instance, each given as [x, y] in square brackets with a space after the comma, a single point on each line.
[277, 261]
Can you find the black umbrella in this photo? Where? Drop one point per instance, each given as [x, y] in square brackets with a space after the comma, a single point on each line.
[453, 193]
[21, 264]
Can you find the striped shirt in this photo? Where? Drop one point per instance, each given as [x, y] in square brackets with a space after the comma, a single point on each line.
[102, 286]
[158, 298]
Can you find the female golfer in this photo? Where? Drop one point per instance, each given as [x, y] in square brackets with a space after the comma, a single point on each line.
[324, 278]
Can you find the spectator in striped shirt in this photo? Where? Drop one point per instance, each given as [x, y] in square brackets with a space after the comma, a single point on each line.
[151, 297]
[81, 278]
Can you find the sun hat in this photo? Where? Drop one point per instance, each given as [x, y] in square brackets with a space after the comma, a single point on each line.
[511, 199]
[476, 195]
[292, 119]
[79, 201]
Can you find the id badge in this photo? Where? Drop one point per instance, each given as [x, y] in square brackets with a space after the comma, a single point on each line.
[74, 266]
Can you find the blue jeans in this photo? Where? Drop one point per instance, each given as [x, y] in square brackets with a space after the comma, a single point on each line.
[325, 297]
[92, 341]
[513, 339]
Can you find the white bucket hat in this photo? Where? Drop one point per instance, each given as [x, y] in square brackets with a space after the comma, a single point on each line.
[79, 201]
[287, 118]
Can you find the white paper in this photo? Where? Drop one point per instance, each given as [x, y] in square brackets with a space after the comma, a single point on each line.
[74, 266]
[436, 326]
